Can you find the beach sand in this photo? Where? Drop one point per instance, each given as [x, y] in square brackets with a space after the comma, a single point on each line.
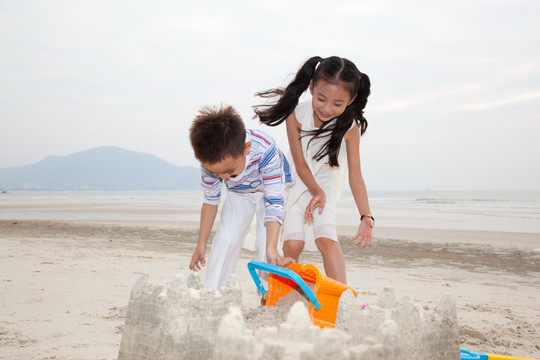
[65, 285]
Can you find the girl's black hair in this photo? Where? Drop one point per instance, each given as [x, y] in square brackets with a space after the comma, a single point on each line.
[334, 70]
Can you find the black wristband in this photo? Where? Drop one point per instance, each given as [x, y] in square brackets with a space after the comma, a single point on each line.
[367, 215]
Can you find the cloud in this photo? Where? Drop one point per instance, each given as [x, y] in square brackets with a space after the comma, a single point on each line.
[423, 98]
[519, 98]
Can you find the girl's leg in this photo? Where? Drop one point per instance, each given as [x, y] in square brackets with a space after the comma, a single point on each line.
[293, 248]
[325, 231]
[293, 232]
[333, 259]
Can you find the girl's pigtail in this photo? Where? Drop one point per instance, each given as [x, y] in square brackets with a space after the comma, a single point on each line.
[277, 113]
[360, 102]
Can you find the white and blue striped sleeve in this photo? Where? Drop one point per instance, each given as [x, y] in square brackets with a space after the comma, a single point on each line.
[211, 187]
[271, 169]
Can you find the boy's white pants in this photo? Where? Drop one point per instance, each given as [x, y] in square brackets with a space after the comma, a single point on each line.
[236, 217]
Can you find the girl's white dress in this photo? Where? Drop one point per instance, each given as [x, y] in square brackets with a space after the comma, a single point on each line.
[330, 179]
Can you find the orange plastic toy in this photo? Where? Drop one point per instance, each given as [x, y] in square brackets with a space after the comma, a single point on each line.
[282, 280]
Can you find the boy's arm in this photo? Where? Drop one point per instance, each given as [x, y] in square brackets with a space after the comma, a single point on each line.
[272, 236]
[211, 187]
[208, 216]
[271, 170]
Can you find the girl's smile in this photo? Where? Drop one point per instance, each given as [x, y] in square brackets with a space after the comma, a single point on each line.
[329, 101]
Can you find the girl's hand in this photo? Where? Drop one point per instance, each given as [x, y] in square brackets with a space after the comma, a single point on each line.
[318, 200]
[364, 236]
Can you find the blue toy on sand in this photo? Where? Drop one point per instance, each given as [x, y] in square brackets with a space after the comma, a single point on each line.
[469, 355]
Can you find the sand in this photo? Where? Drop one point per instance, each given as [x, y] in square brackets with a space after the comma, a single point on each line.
[65, 285]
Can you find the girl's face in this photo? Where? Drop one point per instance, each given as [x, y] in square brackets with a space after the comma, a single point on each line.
[329, 101]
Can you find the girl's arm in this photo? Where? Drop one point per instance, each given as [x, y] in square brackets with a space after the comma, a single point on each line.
[364, 236]
[302, 169]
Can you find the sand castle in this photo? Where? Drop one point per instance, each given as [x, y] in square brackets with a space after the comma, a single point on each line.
[180, 319]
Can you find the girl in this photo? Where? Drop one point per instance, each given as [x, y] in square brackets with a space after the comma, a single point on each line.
[324, 138]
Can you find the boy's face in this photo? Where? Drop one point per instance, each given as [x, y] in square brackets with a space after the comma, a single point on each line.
[229, 167]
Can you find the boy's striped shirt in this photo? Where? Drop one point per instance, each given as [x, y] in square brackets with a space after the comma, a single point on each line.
[266, 170]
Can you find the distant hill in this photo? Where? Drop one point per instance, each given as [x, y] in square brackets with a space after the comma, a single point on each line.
[103, 168]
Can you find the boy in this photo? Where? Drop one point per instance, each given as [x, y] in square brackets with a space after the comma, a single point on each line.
[256, 175]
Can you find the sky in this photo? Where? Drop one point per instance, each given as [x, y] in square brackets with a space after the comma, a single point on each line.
[455, 95]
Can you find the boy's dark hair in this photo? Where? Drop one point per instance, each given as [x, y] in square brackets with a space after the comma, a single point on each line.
[334, 70]
[217, 133]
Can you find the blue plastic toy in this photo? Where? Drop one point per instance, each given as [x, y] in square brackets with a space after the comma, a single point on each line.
[469, 355]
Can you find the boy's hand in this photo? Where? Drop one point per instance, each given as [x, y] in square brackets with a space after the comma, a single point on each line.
[197, 260]
[282, 261]
[275, 259]
[318, 200]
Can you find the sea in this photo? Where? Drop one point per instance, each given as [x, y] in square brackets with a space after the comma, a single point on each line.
[509, 211]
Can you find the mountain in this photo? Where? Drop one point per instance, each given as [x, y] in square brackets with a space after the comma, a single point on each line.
[102, 168]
